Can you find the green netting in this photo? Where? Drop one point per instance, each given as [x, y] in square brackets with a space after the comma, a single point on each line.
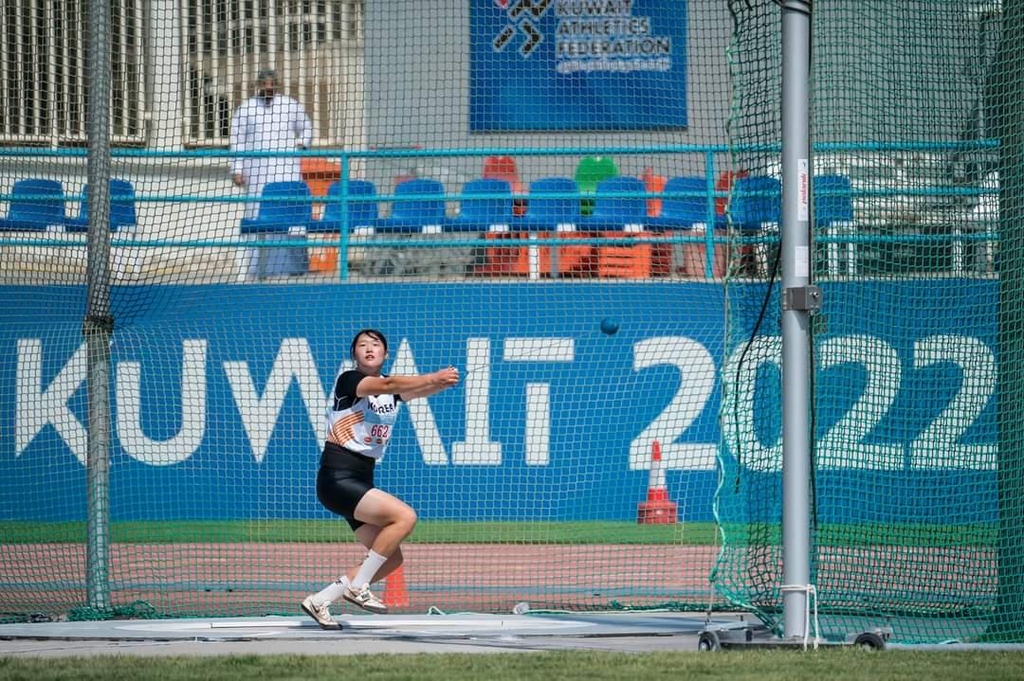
[439, 155]
[911, 473]
[575, 202]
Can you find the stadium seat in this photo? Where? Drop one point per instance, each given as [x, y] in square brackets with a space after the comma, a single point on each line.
[285, 213]
[559, 216]
[505, 168]
[553, 212]
[502, 168]
[755, 207]
[756, 201]
[833, 215]
[122, 208]
[545, 215]
[614, 215]
[362, 214]
[285, 207]
[688, 210]
[625, 213]
[485, 205]
[422, 208]
[37, 204]
[589, 172]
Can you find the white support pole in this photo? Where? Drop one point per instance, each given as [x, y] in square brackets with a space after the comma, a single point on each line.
[796, 259]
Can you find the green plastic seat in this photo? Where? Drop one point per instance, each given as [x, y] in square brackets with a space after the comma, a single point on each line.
[590, 171]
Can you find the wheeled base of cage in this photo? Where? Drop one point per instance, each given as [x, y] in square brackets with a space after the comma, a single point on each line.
[747, 635]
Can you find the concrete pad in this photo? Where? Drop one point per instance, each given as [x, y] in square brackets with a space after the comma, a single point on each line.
[361, 634]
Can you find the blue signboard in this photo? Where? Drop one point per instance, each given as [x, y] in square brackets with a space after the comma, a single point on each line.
[577, 65]
[218, 400]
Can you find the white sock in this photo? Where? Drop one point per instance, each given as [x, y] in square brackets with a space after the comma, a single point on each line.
[332, 592]
[368, 569]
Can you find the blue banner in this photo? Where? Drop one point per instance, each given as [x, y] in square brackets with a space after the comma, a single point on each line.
[218, 400]
[533, 62]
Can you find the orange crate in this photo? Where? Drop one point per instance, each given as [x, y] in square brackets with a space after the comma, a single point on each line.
[641, 261]
[576, 260]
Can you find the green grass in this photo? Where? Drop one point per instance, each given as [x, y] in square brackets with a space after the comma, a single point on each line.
[434, 532]
[759, 665]
[447, 532]
[438, 531]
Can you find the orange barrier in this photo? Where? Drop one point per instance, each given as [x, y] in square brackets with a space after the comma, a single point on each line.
[396, 594]
[658, 509]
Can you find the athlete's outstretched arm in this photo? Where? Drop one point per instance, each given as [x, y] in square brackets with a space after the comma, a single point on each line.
[409, 387]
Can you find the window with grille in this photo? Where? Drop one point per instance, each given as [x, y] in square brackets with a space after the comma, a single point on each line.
[45, 80]
[314, 45]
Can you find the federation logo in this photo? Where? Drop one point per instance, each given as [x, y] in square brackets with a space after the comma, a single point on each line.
[520, 13]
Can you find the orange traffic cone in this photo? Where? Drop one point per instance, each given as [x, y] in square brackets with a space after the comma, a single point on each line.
[396, 595]
[658, 509]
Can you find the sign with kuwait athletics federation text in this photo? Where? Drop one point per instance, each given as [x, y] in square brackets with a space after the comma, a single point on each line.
[577, 65]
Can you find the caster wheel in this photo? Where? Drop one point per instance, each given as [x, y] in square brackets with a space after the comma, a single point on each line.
[708, 642]
[870, 641]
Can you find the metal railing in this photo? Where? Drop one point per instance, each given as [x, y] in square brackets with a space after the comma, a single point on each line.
[969, 234]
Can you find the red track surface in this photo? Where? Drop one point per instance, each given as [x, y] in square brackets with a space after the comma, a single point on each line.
[257, 579]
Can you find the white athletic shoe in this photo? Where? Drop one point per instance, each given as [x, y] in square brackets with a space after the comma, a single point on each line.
[365, 599]
[321, 613]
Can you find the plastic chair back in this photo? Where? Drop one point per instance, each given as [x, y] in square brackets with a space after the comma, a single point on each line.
[485, 211]
[285, 203]
[689, 209]
[360, 213]
[420, 211]
[833, 199]
[502, 168]
[36, 213]
[554, 210]
[755, 200]
[592, 170]
[621, 210]
[122, 207]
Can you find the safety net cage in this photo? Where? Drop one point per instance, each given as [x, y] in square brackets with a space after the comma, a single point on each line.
[577, 203]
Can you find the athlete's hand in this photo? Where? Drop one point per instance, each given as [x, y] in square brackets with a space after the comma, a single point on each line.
[446, 378]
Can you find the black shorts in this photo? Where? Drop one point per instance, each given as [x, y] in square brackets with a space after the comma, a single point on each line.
[342, 481]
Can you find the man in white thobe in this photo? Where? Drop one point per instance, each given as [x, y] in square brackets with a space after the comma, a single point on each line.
[269, 122]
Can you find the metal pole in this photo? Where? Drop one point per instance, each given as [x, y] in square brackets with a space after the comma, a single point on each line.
[799, 299]
[99, 323]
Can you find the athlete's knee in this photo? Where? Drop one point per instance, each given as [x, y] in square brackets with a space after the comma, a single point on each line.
[406, 519]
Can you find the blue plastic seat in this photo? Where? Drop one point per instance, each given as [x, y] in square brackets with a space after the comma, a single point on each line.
[833, 214]
[687, 209]
[550, 213]
[362, 214]
[755, 208]
[285, 214]
[485, 204]
[37, 204]
[122, 208]
[755, 201]
[619, 213]
[421, 208]
[833, 199]
[284, 207]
